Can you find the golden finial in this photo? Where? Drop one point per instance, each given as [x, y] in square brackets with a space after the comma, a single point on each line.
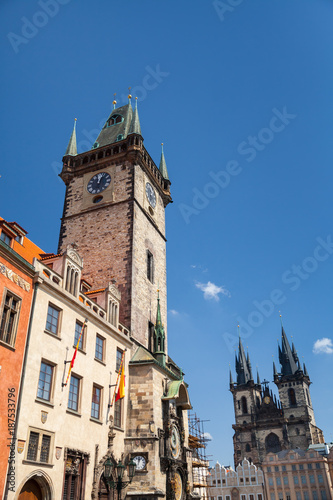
[114, 100]
[75, 119]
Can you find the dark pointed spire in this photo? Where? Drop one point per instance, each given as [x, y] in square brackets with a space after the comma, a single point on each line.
[249, 367]
[159, 335]
[305, 370]
[275, 373]
[258, 378]
[135, 125]
[163, 168]
[71, 148]
[231, 380]
[286, 357]
[244, 374]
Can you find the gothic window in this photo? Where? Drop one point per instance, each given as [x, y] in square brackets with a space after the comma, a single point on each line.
[244, 404]
[292, 397]
[258, 402]
[238, 404]
[150, 336]
[150, 266]
[272, 443]
[247, 447]
[9, 318]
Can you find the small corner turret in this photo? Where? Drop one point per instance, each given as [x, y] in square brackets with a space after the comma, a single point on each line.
[159, 335]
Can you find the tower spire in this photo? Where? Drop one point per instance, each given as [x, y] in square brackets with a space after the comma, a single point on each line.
[243, 366]
[287, 358]
[163, 168]
[71, 148]
[159, 335]
[135, 124]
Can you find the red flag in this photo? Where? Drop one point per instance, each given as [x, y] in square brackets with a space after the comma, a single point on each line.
[121, 389]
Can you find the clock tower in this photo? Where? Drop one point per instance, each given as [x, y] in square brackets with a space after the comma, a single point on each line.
[114, 212]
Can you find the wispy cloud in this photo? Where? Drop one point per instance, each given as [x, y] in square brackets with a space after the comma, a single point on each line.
[323, 346]
[207, 436]
[212, 291]
[173, 312]
[199, 267]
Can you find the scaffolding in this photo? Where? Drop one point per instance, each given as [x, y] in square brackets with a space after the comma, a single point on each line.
[200, 463]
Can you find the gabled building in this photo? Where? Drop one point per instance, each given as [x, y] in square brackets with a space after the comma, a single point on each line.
[264, 423]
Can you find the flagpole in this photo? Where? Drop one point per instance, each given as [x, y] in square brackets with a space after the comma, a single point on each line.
[119, 373]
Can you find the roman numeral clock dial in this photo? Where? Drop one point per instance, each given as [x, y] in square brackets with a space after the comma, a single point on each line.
[151, 196]
[98, 183]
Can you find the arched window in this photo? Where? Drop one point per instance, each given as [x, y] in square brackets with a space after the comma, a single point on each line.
[247, 447]
[272, 443]
[292, 397]
[244, 404]
[258, 402]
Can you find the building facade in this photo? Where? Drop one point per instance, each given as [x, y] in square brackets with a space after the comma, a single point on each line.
[246, 482]
[297, 475]
[265, 423]
[16, 296]
[103, 280]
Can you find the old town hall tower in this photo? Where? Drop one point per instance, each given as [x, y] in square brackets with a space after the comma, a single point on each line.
[264, 423]
[114, 214]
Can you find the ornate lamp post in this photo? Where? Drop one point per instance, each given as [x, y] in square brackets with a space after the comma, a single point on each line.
[113, 475]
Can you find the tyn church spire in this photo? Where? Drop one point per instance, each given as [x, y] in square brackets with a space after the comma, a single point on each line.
[287, 356]
[243, 366]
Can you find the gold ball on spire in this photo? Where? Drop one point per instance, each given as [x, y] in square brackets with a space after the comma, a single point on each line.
[75, 119]
[129, 96]
[114, 102]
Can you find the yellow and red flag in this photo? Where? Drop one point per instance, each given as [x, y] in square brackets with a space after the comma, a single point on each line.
[121, 388]
[75, 352]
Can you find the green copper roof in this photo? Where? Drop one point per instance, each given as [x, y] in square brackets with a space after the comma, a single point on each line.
[177, 390]
[71, 148]
[163, 168]
[135, 125]
[112, 133]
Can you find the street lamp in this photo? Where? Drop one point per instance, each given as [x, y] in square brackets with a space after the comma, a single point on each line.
[113, 475]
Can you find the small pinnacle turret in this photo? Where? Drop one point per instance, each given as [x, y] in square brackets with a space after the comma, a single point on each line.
[159, 335]
[135, 125]
[163, 168]
[72, 148]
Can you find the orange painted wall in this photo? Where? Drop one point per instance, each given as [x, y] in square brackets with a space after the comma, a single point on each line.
[11, 359]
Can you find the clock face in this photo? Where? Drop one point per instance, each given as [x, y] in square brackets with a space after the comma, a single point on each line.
[98, 183]
[140, 462]
[151, 196]
[175, 442]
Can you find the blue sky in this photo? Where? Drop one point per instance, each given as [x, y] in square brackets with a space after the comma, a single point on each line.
[241, 96]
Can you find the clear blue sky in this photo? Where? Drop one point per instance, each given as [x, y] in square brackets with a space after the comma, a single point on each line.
[242, 99]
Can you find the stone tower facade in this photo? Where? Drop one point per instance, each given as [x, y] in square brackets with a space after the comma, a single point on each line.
[114, 214]
[265, 424]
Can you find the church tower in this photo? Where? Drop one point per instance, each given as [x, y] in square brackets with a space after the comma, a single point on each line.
[264, 423]
[247, 397]
[293, 384]
[114, 213]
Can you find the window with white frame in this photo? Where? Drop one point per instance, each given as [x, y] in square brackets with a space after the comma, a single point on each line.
[96, 402]
[74, 393]
[53, 319]
[99, 348]
[45, 381]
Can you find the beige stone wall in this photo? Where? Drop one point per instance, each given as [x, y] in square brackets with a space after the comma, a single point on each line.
[148, 234]
[71, 430]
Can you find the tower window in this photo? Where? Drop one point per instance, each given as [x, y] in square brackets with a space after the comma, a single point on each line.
[150, 266]
[292, 397]
[272, 443]
[120, 137]
[244, 404]
[247, 447]
[114, 120]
